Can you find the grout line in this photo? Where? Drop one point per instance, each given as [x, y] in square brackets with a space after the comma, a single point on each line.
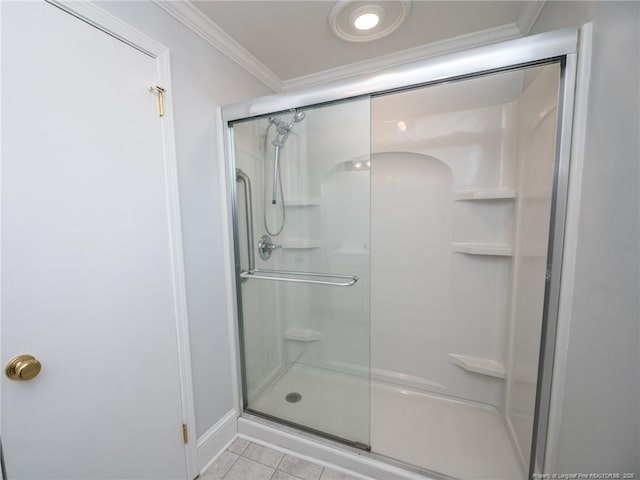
[253, 461]
[245, 448]
[231, 466]
[258, 461]
[285, 452]
[303, 460]
[290, 474]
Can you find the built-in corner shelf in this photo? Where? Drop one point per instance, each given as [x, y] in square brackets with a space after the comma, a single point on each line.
[491, 249]
[302, 335]
[482, 366]
[350, 251]
[302, 202]
[301, 244]
[501, 194]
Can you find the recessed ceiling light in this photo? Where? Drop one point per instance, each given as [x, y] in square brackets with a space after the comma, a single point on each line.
[366, 21]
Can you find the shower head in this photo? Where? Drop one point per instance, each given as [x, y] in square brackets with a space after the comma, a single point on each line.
[297, 117]
[283, 128]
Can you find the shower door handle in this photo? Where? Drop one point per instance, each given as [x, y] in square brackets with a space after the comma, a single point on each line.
[293, 277]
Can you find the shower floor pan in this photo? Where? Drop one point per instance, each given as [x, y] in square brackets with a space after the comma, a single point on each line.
[436, 433]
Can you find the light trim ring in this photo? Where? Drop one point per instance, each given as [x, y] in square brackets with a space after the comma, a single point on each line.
[345, 13]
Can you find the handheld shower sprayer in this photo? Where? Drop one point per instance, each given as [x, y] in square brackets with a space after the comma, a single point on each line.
[282, 133]
[283, 128]
[297, 117]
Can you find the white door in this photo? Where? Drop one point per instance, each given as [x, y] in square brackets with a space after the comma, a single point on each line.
[87, 281]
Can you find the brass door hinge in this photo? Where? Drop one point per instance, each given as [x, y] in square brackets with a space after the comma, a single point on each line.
[159, 91]
[185, 433]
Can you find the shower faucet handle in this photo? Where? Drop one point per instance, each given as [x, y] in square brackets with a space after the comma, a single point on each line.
[266, 247]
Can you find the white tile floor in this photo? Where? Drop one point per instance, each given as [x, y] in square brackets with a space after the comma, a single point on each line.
[457, 438]
[244, 460]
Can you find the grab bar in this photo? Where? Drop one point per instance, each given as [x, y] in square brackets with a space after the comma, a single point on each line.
[273, 275]
[248, 211]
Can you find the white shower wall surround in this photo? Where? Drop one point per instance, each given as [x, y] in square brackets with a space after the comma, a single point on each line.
[439, 200]
[464, 164]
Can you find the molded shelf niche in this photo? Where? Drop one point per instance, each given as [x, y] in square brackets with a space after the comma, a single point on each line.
[482, 366]
[302, 335]
[301, 244]
[501, 194]
[302, 202]
[491, 249]
[350, 251]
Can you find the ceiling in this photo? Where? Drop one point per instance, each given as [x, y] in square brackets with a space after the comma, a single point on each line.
[292, 44]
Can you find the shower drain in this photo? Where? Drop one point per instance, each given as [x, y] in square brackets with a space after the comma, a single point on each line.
[293, 397]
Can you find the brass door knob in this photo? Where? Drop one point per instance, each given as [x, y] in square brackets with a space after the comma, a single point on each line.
[23, 367]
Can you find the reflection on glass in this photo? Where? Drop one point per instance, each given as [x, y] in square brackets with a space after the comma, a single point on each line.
[306, 345]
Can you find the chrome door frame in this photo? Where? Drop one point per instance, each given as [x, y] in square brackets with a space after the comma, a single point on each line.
[557, 46]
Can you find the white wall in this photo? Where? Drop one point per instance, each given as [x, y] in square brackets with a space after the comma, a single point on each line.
[202, 79]
[599, 420]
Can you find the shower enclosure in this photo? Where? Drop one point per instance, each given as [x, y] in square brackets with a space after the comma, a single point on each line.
[397, 245]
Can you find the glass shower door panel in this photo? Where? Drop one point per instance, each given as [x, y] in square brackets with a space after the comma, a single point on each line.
[304, 312]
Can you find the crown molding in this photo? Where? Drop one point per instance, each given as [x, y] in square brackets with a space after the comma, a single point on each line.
[528, 15]
[191, 17]
[196, 21]
[450, 45]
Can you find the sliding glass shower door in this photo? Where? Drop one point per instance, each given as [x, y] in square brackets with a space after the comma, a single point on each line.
[302, 257]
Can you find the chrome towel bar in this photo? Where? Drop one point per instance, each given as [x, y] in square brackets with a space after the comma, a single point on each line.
[289, 276]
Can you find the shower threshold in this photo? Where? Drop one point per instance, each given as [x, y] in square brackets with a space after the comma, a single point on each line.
[304, 441]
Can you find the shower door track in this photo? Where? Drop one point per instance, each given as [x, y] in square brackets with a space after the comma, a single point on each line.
[558, 46]
[303, 428]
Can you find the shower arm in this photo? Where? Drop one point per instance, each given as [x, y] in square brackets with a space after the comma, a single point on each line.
[248, 211]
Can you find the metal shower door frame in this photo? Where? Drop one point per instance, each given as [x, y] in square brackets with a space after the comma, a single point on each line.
[558, 46]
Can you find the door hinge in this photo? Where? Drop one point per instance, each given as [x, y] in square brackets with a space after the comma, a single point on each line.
[159, 91]
[185, 433]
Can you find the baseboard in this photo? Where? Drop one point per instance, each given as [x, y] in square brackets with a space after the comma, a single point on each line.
[215, 440]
